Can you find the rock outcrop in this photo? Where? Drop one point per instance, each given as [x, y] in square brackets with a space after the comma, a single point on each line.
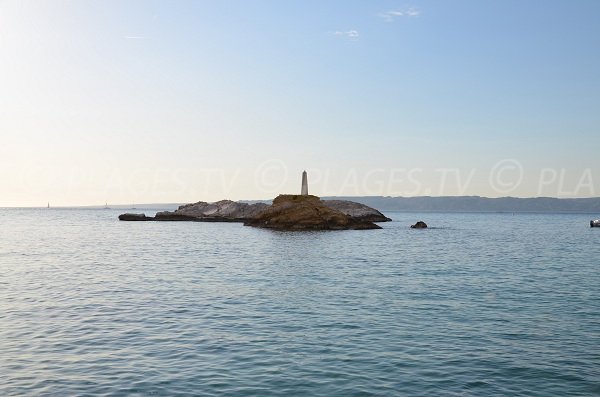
[356, 211]
[135, 217]
[173, 216]
[419, 225]
[288, 212]
[298, 212]
[220, 211]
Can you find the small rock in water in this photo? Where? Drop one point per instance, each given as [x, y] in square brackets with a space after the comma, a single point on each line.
[419, 225]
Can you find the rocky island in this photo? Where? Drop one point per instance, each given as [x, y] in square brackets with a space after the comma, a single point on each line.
[287, 212]
[329, 214]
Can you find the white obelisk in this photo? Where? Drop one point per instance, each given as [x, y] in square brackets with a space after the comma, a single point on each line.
[304, 191]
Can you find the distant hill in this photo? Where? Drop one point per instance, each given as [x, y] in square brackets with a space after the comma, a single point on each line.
[440, 204]
[477, 204]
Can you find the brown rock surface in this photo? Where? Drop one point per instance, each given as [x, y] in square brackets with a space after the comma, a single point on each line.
[297, 212]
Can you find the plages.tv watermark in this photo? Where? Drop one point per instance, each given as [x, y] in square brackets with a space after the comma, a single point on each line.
[274, 176]
[503, 177]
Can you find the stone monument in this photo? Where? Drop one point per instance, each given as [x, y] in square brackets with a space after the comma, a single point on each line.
[304, 191]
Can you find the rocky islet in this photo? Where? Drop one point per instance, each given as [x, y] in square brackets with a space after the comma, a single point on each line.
[287, 212]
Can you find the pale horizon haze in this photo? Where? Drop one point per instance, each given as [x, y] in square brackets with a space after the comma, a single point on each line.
[152, 101]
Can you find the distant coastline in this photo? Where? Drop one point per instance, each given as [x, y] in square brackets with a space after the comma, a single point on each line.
[430, 204]
[480, 204]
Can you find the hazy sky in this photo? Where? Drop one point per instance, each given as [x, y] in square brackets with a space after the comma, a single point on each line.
[177, 101]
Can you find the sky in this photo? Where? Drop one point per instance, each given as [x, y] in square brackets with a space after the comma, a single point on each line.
[152, 101]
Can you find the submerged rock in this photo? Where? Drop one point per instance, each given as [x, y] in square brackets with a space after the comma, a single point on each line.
[298, 212]
[356, 211]
[135, 217]
[419, 225]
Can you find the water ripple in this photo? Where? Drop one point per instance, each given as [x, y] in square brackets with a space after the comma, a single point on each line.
[479, 305]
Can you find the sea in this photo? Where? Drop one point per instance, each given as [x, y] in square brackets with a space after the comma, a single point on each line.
[476, 305]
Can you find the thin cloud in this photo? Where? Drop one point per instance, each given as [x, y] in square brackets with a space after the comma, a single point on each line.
[351, 34]
[390, 16]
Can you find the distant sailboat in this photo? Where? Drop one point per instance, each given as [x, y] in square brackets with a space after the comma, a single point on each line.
[106, 207]
[48, 204]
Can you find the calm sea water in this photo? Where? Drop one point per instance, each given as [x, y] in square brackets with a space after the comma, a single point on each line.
[480, 305]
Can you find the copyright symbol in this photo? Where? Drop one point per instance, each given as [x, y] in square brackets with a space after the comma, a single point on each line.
[270, 176]
[506, 175]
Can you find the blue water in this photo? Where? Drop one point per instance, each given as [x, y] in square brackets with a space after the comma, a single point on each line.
[480, 305]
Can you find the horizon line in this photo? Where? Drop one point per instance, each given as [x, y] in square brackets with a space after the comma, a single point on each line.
[134, 205]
